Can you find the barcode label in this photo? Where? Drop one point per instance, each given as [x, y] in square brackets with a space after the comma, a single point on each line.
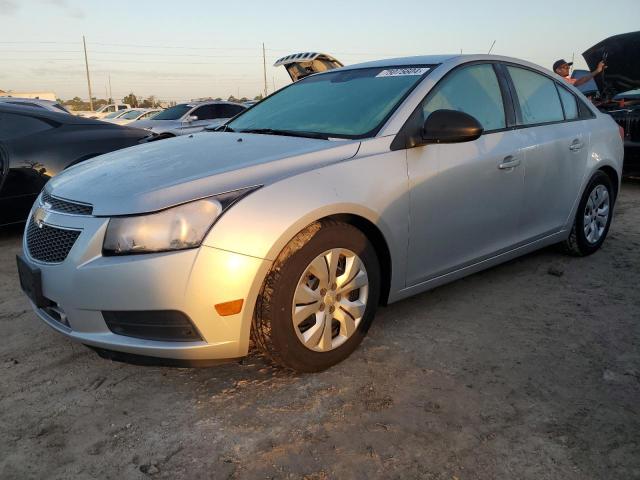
[400, 72]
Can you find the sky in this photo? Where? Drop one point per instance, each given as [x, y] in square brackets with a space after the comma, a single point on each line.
[181, 50]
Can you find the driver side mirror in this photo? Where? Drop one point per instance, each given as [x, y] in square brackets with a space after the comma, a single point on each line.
[450, 126]
[191, 118]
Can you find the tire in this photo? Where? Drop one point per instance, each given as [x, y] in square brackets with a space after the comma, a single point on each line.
[307, 346]
[590, 227]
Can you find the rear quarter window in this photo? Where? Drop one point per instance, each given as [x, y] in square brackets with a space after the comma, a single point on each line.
[569, 103]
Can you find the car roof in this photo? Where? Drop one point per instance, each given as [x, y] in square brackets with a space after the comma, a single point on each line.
[43, 114]
[207, 102]
[27, 100]
[452, 59]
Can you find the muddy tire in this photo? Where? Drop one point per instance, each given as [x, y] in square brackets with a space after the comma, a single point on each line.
[593, 217]
[319, 298]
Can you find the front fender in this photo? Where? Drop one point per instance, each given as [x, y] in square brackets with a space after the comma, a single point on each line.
[373, 185]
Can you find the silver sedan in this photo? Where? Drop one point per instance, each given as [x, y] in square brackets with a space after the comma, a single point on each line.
[187, 118]
[348, 189]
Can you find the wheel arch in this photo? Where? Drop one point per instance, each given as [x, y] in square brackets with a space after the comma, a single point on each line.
[377, 239]
[613, 176]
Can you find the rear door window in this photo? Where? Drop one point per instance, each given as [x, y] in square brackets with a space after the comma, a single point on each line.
[228, 111]
[537, 97]
[473, 90]
[206, 112]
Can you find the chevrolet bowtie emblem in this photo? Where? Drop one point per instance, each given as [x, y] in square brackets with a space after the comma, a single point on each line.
[39, 216]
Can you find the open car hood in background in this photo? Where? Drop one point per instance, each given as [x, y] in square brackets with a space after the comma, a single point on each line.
[623, 65]
[300, 65]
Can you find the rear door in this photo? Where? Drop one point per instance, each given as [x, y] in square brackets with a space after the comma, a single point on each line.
[556, 156]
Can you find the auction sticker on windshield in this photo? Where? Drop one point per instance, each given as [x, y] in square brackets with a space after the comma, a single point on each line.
[401, 72]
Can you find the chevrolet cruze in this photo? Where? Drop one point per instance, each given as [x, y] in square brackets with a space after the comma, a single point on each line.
[348, 189]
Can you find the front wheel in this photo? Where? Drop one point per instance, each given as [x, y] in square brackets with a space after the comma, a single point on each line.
[593, 217]
[319, 298]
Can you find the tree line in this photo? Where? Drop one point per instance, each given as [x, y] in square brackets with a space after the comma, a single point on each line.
[76, 103]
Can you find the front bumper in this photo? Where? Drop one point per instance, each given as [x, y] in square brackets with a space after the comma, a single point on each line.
[192, 281]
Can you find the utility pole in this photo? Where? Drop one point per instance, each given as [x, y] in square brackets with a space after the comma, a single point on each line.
[264, 66]
[86, 63]
[110, 93]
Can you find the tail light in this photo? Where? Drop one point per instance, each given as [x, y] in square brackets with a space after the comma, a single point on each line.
[621, 131]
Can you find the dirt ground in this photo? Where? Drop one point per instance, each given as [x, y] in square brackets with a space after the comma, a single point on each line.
[530, 370]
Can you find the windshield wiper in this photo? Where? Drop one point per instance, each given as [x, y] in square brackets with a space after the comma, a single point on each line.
[286, 133]
[220, 128]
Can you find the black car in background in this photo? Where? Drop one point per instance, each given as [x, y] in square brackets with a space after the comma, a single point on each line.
[36, 144]
[618, 89]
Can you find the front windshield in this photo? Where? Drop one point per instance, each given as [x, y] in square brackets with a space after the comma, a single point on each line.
[347, 104]
[173, 113]
[131, 114]
[113, 114]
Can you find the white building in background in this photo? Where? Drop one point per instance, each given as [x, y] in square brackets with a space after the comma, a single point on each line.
[41, 95]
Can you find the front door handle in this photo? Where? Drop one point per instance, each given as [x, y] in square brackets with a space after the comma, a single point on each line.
[509, 162]
[576, 145]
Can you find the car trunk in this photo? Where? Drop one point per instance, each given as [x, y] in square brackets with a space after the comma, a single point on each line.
[300, 65]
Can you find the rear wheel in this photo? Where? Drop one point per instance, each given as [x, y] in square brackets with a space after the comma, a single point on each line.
[319, 298]
[593, 217]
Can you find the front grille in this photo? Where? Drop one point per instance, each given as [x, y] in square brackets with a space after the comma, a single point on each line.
[66, 206]
[50, 244]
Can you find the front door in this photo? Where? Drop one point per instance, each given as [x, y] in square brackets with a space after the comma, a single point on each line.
[465, 197]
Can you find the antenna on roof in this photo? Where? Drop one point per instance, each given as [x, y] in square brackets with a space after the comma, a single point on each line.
[494, 42]
[572, 57]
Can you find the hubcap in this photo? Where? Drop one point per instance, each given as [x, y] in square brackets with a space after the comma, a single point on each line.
[330, 300]
[596, 214]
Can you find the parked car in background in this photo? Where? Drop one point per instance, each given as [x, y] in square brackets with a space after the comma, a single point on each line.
[353, 187]
[36, 144]
[103, 111]
[300, 65]
[133, 115]
[617, 89]
[34, 102]
[116, 114]
[191, 117]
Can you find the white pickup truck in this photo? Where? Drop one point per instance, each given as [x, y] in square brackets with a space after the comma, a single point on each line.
[104, 110]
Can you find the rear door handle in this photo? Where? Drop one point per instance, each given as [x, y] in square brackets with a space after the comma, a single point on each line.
[576, 145]
[509, 162]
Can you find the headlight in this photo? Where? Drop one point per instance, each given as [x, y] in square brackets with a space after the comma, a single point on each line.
[176, 228]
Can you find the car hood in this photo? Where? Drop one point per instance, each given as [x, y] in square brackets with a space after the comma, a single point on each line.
[161, 174]
[623, 68]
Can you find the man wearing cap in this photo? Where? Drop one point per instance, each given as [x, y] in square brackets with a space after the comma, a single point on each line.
[561, 67]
